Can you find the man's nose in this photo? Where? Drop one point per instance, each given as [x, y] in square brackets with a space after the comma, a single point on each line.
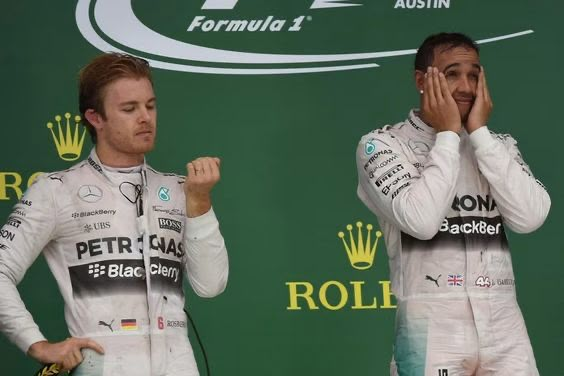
[465, 86]
[144, 115]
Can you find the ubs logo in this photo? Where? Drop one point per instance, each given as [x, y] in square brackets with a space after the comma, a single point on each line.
[96, 226]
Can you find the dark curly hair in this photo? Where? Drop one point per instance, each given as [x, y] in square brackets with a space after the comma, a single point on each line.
[426, 52]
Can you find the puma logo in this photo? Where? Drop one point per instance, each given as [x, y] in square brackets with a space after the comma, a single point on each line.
[436, 280]
[102, 323]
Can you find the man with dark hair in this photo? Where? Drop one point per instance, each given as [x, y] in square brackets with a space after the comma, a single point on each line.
[443, 187]
[119, 237]
[445, 41]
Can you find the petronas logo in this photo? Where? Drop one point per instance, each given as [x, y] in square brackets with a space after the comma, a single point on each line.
[164, 194]
[369, 148]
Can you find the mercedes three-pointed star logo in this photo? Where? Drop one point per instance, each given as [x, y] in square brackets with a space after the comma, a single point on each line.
[90, 193]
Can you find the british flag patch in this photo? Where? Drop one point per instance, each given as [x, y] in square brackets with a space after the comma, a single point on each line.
[455, 280]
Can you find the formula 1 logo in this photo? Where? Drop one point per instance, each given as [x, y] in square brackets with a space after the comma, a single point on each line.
[113, 25]
[230, 4]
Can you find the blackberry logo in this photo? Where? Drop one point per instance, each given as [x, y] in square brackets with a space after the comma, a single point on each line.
[92, 213]
[129, 269]
[97, 270]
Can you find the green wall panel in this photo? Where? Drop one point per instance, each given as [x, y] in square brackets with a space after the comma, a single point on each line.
[287, 141]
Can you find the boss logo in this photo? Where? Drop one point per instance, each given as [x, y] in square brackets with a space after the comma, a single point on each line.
[170, 224]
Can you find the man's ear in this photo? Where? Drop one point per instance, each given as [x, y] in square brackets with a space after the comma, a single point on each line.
[419, 80]
[93, 118]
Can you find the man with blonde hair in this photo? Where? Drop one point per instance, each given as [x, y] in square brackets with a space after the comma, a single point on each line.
[119, 237]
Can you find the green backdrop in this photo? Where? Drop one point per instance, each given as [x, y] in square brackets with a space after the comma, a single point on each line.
[286, 125]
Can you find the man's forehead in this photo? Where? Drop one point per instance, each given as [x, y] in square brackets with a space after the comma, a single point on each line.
[460, 55]
[129, 89]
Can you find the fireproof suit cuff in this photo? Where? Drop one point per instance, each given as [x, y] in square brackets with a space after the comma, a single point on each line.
[481, 138]
[202, 226]
[448, 139]
[28, 337]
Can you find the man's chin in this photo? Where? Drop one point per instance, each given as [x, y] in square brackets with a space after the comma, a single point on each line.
[149, 148]
[464, 119]
[145, 147]
[464, 112]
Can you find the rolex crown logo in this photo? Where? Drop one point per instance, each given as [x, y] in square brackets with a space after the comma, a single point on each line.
[361, 252]
[68, 143]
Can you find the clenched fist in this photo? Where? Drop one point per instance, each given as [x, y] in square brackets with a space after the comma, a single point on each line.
[203, 174]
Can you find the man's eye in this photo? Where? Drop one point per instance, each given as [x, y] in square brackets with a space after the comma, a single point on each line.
[128, 109]
[474, 77]
[451, 74]
[150, 106]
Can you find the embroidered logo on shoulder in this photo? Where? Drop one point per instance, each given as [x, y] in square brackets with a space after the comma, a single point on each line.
[369, 147]
[163, 194]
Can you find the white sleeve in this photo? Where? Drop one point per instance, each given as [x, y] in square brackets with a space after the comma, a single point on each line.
[521, 199]
[206, 260]
[26, 232]
[397, 192]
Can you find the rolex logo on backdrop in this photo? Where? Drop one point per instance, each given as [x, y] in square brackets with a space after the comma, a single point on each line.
[68, 138]
[366, 292]
[68, 135]
[361, 253]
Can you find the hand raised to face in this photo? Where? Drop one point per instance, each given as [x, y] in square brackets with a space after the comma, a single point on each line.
[438, 108]
[482, 106]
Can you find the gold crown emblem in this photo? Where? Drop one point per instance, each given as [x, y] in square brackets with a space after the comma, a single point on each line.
[68, 144]
[361, 252]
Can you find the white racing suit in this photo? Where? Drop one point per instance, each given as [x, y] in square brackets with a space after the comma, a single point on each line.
[119, 245]
[442, 201]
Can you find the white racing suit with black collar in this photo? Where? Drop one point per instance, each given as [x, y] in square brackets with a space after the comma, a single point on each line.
[442, 201]
[119, 256]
